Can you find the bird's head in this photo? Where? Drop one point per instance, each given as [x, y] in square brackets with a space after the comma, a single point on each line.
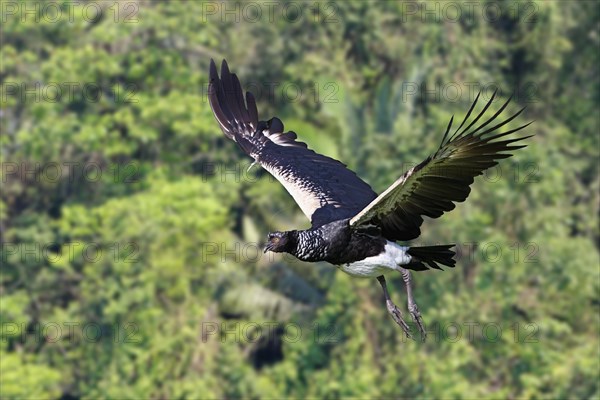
[278, 242]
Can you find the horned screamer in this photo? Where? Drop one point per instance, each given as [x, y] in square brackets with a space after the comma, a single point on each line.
[352, 227]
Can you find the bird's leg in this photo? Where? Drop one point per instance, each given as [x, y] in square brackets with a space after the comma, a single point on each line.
[412, 306]
[392, 308]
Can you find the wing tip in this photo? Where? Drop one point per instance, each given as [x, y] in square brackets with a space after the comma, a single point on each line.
[226, 99]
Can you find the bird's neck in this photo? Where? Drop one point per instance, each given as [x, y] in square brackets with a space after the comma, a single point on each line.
[308, 245]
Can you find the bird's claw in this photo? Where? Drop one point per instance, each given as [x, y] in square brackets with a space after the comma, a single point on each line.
[397, 316]
[416, 315]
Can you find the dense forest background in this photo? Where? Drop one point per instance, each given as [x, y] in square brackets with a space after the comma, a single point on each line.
[132, 228]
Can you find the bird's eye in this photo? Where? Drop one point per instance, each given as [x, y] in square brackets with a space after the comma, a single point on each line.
[275, 240]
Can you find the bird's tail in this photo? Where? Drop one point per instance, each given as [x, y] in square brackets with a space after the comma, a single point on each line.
[430, 257]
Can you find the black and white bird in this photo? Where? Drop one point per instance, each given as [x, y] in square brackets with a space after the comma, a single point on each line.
[351, 226]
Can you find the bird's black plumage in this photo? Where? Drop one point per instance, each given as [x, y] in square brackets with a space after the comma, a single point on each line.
[324, 188]
[431, 188]
[352, 227]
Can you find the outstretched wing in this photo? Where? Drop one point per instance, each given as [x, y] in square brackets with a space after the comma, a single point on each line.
[432, 187]
[323, 187]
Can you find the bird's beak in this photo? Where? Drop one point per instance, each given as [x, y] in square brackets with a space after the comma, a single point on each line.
[267, 247]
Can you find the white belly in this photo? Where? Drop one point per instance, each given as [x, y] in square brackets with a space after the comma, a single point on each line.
[391, 259]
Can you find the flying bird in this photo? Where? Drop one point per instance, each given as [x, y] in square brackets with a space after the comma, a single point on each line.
[351, 226]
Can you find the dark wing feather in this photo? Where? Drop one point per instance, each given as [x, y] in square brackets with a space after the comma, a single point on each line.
[323, 187]
[432, 187]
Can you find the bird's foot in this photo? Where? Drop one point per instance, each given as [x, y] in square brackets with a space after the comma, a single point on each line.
[412, 306]
[397, 316]
[416, 315]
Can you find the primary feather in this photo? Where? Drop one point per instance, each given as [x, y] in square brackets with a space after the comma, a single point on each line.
[433, 186]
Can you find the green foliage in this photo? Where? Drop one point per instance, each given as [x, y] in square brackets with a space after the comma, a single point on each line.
[131, 227]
